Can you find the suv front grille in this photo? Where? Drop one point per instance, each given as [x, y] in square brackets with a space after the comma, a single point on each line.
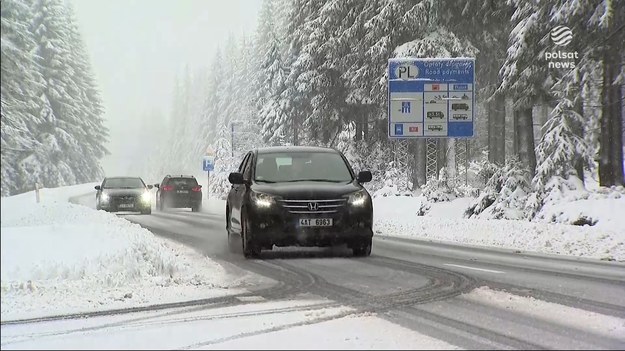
[124, 199]
[313, 206]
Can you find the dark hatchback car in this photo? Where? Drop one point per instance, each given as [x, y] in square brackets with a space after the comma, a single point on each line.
[179, 192]
[304, 196]
[124, 194]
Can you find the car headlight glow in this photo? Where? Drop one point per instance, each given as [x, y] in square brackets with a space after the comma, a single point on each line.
[263, 200]
[358, 198]
[104, 197]
[146, 197]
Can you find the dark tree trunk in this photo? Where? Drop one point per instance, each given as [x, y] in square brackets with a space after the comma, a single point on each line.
[617, 134]
[579, 131]
[326, 135]
[358, 122]
[510, 140]
[527, 154]
[295, 130]
[496, 131]
[606, 169]
[365, 125]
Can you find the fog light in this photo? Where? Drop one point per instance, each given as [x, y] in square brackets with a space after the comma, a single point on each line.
[263, 226]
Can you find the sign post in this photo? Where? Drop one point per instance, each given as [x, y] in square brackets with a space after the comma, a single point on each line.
[37, 196]
[431, 98]
[208, 165]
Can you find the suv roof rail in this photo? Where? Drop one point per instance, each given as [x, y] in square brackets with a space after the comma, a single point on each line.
[180, 175]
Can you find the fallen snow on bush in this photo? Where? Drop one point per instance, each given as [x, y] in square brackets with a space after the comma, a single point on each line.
[397, 216]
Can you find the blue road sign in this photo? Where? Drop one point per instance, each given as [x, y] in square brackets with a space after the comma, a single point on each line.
[208, 164]
[431, 98]
[399, 129]
[405, 107]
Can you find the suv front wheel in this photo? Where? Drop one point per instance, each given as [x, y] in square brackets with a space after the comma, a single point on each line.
[250, 248]
[362, 247]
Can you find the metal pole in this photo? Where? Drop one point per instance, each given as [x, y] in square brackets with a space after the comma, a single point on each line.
[208, 184]
[37, 192]
[466, 165]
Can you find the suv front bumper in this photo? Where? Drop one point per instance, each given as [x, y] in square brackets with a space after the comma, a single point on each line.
[281, 228]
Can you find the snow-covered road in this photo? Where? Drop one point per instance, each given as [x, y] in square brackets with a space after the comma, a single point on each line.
[408, 295]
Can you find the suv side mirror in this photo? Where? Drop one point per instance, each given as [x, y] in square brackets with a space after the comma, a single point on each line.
[150, 186]
[97, 187]
[156, 185]
[364, 176]
[235, 178]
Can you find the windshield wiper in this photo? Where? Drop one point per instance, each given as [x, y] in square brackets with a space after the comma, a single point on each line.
[265, 181]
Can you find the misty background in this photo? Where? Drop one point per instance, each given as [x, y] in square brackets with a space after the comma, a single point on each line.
[138, 47]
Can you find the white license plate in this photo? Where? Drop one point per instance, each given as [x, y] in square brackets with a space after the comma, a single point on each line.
[183, 191]
[315, 222]
[126, 205]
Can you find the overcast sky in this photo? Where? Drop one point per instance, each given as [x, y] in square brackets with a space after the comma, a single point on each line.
[138, 46]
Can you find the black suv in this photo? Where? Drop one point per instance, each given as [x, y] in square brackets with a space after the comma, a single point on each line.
[179, 192]
[124, 194]
[306, 196]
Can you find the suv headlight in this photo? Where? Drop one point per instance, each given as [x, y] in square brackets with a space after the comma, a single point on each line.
[263, 200]
[104, 197]
[359, 198]
[146, 197]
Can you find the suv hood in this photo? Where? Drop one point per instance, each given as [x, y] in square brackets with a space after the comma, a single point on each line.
[307, 190]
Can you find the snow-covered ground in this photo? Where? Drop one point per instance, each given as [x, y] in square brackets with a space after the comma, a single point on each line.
[264, 325]
[60, 258]
[396, 216]
[298, 324]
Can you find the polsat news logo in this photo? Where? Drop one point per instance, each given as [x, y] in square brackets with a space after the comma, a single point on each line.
[561, 36]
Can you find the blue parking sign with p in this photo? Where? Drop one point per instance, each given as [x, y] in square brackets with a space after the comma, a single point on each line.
[399, 129]
[208, 164]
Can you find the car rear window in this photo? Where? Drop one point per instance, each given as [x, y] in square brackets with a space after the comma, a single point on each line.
[130, 183]
[182, 182]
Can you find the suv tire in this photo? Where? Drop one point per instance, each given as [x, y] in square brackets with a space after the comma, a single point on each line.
[250, 248]
[362, 247]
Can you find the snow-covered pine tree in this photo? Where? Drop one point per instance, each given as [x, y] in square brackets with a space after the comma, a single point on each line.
[486, 25]
[65, 127]
[198, 93]
[20, 87]
[524, 78]
[272, 97]
[92, 133]
[515, 188]
[228, 104]
[224, 163]
[562, 146]
[248, 131]
[210, 112]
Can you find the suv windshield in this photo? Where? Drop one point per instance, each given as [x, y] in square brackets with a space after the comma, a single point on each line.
[127, 183]
[182, 182]
[302, 166]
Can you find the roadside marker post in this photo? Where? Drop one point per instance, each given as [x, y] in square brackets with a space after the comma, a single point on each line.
[208, 165]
